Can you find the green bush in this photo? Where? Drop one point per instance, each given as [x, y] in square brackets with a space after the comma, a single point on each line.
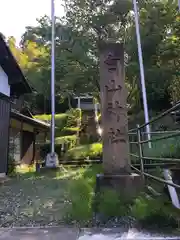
[149, 211]
[154, 212]
[80, 195]
[66, 123]
[69, 131]
[111, 204]
[91, 151]
[46, 148]
[73, 116]
[68, 141]
[166, 148]
[60, 119]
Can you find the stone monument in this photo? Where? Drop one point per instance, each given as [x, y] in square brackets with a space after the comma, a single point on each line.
[116, 161]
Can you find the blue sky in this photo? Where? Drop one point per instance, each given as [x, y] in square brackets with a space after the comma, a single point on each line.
[15, 15]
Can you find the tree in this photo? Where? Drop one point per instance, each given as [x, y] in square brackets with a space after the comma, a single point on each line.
[88, 22]
[34, 61]
[157, 25]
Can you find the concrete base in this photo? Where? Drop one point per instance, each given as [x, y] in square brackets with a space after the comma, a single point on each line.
[128, 186]
[3, 178]
[52, 160]
[2, 175]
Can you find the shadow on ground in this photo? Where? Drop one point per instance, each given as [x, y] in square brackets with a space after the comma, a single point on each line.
[32, 199]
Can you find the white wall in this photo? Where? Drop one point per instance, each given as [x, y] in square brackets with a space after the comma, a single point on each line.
[4, 85]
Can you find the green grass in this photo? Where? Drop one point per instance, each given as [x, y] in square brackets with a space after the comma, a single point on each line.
[31, 199]
[90, 151]
[67, 196]
[156, 212]
[80, 195]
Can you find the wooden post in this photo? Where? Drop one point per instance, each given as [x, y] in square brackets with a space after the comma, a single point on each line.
[114, 110]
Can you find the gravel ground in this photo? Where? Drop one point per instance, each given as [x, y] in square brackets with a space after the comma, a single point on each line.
[31, 200]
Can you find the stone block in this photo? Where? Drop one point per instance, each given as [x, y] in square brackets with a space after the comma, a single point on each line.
[52, 160]
[128, 186]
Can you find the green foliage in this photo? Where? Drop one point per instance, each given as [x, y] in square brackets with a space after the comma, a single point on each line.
[111, 204]
[46, 148]
[70, 141]
[66, 123]
[154, 211]
[60, 119]
[74, 115]
[91, 151]
[149, 211]
[88, 23]
[65, 136]
[81, 201]
[167, 148]
[79, 195]
[69, 131]
[11, 166]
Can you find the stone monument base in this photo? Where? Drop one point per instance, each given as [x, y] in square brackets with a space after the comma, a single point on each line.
[52, 160]
[128, 186]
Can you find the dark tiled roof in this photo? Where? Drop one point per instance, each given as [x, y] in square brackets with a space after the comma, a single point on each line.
[34, 122]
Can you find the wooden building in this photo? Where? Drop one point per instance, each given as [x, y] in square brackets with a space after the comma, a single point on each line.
[18, 129]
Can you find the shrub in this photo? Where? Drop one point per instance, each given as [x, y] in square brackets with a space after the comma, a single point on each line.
[166, 148]
[80, 193]
[46, 148]
[154, 212]
[68, 141]
[91, 151]
[60, 119]
[68, 131]
[65, 123]
[80, 197]
[149, 211]
[73, 116]
[112, 205]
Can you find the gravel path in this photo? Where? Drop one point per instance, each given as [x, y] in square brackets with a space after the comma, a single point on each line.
[32, 201]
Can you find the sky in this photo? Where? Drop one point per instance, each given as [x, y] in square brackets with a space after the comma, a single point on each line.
[15, 15]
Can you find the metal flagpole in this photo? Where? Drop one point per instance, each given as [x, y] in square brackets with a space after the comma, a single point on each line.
[146, 114]
[52, 78]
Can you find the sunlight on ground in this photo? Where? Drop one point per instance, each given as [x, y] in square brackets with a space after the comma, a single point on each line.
[23, 168]
[131, 234]
[105, 236]
[33, 199]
